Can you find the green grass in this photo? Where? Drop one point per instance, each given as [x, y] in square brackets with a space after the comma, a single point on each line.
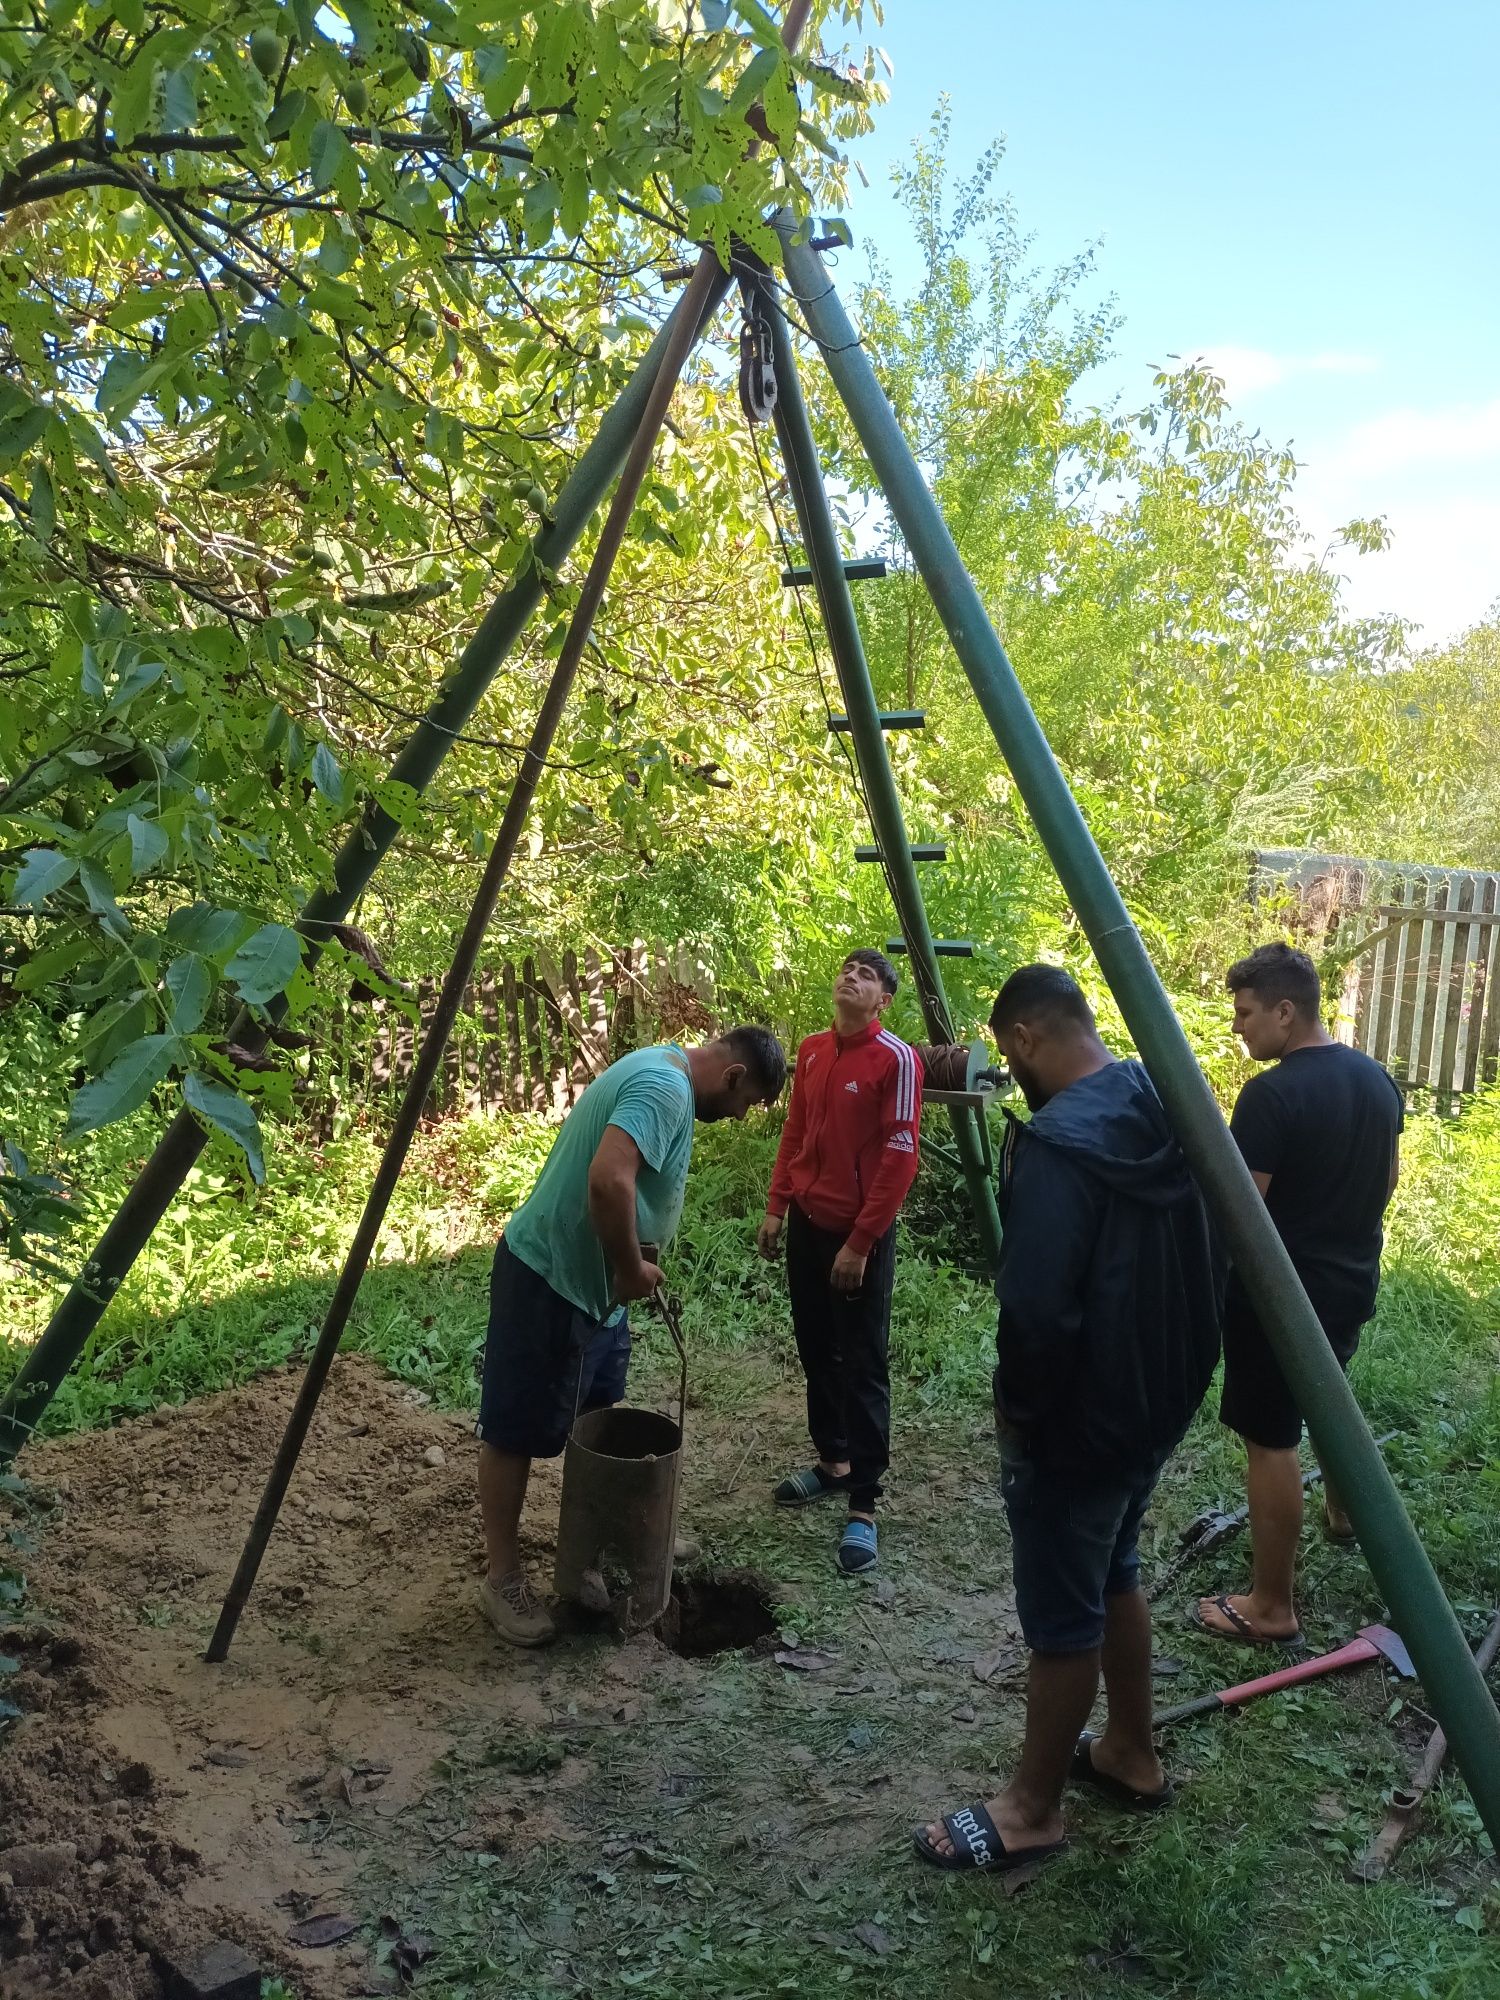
[752, 1885]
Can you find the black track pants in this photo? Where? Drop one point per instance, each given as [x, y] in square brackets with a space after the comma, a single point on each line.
[843, 1341]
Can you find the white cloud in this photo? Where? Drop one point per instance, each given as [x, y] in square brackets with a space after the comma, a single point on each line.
[1248, 369]
[1460, 433]
[1442, 568]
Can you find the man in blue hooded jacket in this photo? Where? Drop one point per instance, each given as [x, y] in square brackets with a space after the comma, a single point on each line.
[1109, 1332]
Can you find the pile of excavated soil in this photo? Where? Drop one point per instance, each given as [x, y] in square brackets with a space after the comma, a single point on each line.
[149, 1802]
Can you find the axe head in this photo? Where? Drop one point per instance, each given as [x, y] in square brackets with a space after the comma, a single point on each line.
[1392, 1647]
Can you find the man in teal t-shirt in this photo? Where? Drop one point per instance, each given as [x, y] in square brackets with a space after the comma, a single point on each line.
[570, 1260]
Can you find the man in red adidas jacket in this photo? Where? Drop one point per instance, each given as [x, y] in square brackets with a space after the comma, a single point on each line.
[848, 1155]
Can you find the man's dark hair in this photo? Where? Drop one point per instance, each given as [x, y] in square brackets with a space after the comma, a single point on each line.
[1043, 996]
[1277, 972]
[762, 1055]
[878, 963]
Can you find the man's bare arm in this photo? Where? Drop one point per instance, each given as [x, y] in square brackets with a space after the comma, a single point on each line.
[612, 1176]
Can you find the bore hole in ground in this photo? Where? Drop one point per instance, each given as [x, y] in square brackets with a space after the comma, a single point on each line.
[717, 1611]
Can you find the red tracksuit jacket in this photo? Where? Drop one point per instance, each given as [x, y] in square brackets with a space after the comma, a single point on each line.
[848, 1149]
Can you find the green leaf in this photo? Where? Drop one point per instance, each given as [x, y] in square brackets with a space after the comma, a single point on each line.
[148, 843]
[264, 963]
[45, 966]
[101, 897]
[179, 102]
[90, 679]
[327, 776]
[124, 1086]
[127, 377]
[328, 152]
[230, 1114]
[280, 121]
[211, 933]
[538, 206]
[42, 872]
[20, 429]
[757, 74]
[189, 982]
[43, 505]
[114, 1028]
[136, 682]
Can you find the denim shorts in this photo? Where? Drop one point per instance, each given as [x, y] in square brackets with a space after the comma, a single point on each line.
[1073, 1544]
[545, 1362]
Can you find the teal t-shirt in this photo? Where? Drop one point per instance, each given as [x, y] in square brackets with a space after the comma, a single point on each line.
[648, 1094]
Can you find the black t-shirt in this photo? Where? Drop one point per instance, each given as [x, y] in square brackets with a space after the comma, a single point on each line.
[1323, 1124]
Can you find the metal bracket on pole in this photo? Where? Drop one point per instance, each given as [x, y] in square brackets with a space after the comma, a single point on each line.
[1390, 1544]
[820, 539]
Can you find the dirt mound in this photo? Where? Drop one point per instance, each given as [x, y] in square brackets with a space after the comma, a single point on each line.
[151, 1802]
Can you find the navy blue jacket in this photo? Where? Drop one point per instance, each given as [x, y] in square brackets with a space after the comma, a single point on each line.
[1109, 1284]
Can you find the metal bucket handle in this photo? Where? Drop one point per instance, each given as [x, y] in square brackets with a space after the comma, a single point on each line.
[666, 1306]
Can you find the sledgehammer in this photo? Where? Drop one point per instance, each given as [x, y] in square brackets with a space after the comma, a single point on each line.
[1375, 1642]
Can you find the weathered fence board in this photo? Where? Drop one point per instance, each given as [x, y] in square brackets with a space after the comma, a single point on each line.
[1422, 985]
[529, 1037]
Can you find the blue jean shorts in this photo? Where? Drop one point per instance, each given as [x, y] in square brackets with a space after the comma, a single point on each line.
[1073, 1545]
[545, 1362]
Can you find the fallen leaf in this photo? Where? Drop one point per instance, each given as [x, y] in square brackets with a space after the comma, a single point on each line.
[804, 1660]
[988, 1665]
[1016, 1879]
[963, 1713]
[408, 1949]
[228, 1760]
[1164, 1670]
[318, 1932]
[872, 1935]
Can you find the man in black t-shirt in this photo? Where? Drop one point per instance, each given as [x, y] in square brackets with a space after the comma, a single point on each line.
[1320, 1134]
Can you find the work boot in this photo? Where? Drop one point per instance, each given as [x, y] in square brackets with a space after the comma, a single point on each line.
[515, 1610]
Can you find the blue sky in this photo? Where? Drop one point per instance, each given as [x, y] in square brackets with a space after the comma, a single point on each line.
[1309, 194]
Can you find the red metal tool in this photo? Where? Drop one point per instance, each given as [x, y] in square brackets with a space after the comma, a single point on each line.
[1375, 1642]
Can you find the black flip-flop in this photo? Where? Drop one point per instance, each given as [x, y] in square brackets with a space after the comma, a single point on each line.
[1244, 1633]
[1084, 1771]
[976, 1844]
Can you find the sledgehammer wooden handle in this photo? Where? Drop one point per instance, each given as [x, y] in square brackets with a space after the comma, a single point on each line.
[1406, 1801]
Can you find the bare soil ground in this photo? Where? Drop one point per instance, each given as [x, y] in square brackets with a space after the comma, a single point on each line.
[369, 1738]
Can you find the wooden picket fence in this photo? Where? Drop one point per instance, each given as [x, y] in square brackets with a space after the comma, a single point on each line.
[529, 1037]
[1421, 990]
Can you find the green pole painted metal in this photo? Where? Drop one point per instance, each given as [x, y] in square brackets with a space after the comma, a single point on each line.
[66, 1334]
[1455, 1688]
[820, 538]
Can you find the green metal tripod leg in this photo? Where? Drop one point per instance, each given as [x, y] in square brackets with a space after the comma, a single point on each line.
[80, 1310]
[1421, 1613]
[825, 558]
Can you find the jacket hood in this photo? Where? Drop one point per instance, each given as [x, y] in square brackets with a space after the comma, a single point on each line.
[1112, 1125]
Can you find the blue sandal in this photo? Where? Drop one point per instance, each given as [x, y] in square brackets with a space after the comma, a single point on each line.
[801, 1489]
[858, 1548]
